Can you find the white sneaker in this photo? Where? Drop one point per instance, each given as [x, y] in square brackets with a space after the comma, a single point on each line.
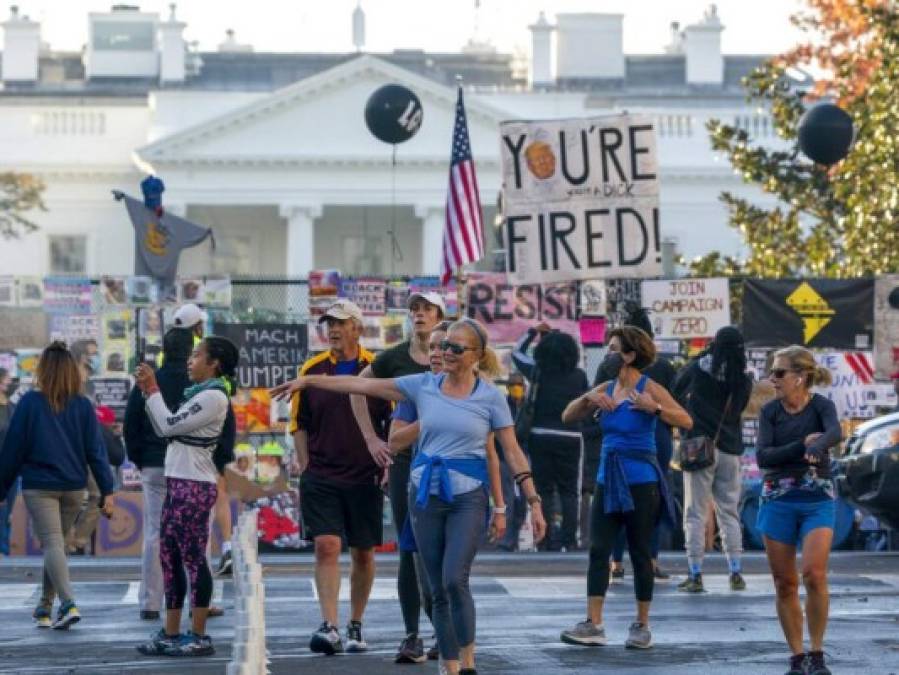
[326, 640]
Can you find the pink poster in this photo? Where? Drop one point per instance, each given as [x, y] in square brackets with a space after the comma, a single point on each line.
[509, 309]
[593, 330]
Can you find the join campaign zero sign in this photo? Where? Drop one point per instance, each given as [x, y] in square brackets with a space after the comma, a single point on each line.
[269, 353]
[581, 199]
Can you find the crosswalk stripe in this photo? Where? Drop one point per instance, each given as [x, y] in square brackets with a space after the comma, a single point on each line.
[130, 597]
[16, 594]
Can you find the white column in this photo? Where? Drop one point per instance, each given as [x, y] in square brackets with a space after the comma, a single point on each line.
[433, 218]
[300, 237]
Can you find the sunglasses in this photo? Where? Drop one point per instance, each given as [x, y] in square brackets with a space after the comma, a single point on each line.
[458, 350]
[779, 373]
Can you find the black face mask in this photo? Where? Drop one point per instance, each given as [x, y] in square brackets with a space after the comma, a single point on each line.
[612, 364]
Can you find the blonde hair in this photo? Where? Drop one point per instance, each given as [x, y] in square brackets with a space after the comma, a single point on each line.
[57, 376]
[488, 364]
[803, 362]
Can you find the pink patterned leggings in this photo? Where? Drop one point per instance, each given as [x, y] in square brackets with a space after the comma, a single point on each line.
[183, 533]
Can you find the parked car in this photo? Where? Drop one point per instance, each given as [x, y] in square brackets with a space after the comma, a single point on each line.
[868, 471]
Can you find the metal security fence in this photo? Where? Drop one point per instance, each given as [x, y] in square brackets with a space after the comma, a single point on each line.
[266, 300]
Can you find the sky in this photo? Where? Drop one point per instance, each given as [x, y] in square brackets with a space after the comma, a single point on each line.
[751, 27]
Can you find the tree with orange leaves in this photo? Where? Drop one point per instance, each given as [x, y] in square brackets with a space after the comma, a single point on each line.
[838, 221]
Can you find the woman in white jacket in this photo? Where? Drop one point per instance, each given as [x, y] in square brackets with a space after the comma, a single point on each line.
[194, 430]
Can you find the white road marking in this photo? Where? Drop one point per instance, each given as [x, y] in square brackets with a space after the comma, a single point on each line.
[131, 595]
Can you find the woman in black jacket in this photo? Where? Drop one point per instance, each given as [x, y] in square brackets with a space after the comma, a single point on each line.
[555, 448]
[715, 388]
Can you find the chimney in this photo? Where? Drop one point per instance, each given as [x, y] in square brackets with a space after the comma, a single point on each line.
[359, 27]
[172, 49]
[21, 48]
[589, 46]
[541, 52]
[232, 45]
[676, 46]
[702, 46]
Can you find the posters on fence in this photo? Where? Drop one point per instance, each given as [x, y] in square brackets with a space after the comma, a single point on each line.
[113, 393]
[816, 313]
[26, 363]
[115, 342]
[269, 353]
[255, 412]
[886, 326]
[682, 309]
[593, 297]
[67, 295]
[217, 292]
[853, 390]
[368, 293]
[22, 329]
[30, 291]
[508, 309]
[71, 328]
[581, 198]
[9, 363]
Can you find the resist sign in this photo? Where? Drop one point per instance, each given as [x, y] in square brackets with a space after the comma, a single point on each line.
[687, 308]
[581, 198]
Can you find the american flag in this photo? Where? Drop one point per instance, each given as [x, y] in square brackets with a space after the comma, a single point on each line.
[463, 234]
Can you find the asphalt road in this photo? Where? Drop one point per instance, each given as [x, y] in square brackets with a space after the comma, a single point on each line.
[523, 602]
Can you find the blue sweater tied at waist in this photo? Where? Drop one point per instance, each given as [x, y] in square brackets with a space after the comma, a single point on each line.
[473, 468]
[616, 492]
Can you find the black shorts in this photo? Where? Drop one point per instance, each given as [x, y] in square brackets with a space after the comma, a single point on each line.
[351, 511]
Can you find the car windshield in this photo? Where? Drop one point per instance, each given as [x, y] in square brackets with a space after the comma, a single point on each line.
[874, 439]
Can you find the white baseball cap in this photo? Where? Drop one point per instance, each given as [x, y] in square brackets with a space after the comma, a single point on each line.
[188, 316]
[432, 298]
[341, 310]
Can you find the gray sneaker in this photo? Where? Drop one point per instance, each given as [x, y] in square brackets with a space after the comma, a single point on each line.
[638, 636]
[585, 634]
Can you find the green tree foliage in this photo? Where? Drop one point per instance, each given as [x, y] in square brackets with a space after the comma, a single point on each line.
[840, 221]
[20, 193]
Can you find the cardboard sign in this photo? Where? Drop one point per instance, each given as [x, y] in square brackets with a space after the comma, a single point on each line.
[581, 198]
[70, 328]
[682, 309]
[112, 392]
[269, 353]
[508, 309]
[853, 389]
[815, 313]
[367, 293]
[886, 326]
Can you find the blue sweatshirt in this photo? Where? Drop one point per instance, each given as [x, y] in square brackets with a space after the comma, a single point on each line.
[52, 451]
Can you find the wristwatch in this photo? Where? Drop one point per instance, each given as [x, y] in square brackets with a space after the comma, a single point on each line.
[534, 499]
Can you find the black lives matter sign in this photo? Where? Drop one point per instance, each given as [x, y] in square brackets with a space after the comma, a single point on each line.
[269, 353]
[581, 199]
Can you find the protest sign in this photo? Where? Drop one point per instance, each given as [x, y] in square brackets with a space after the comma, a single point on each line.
[593, 330]
[9, 363]
[70, 328]
[67, 295]
[113, 290]
[191, 290]
[141, 291]
[508, 309]
[367, 293]
[324, 282]
[269, 353]
[682, 309]
[853, 390]
[886, 325]
[593, 297]
[581, 198]
[397, 296]
[113, 393]
[30, 292]
[116, 343]
[816, 313]
[26, 363]
[22, 329]
[255, 412]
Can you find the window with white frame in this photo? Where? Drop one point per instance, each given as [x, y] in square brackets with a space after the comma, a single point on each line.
[68, 254]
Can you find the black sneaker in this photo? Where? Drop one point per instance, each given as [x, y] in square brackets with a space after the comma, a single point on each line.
[797, 665]
[814, 665]
[434, 651]
[326, 640]
[692, 585]
[355, 644]
[224, 566]
[412, 650]
[159, 643]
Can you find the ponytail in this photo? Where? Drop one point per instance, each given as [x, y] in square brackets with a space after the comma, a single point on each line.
[489, 365]
[821, 377]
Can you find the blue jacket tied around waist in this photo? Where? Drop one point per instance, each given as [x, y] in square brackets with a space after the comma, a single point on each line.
[473, 468]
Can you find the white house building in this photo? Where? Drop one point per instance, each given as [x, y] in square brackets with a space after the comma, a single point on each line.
[271, 149]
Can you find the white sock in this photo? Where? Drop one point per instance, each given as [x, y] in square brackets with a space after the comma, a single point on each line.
[226, 547]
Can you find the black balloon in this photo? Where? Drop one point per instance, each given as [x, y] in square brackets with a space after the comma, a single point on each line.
[393, 113]
[825, 134]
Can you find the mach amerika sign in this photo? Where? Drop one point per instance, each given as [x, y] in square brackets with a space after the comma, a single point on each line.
[581, 199]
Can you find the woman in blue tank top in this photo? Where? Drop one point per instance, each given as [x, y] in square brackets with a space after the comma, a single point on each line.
[631, 491]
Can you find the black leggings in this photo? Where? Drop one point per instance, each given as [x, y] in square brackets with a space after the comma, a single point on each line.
[412, 596]
[638, 525]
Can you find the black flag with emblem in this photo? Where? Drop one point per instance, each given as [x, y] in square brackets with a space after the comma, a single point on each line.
[828, 313]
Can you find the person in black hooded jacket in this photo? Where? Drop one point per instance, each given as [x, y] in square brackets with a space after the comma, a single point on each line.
[147, 451]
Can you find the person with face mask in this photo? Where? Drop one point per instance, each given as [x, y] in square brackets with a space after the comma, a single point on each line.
[555, 448]
[630, 488]
[715, 388]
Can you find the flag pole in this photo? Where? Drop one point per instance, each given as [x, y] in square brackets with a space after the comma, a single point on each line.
[460, 278]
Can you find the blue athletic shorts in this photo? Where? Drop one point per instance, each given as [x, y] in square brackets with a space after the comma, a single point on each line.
[789, 521]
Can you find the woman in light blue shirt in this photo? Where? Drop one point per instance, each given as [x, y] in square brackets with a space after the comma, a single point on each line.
[457, 411]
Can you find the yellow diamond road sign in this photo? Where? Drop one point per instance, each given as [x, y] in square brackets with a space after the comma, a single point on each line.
[813, 309]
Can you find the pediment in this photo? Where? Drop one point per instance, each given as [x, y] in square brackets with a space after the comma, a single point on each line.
[320, 120]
